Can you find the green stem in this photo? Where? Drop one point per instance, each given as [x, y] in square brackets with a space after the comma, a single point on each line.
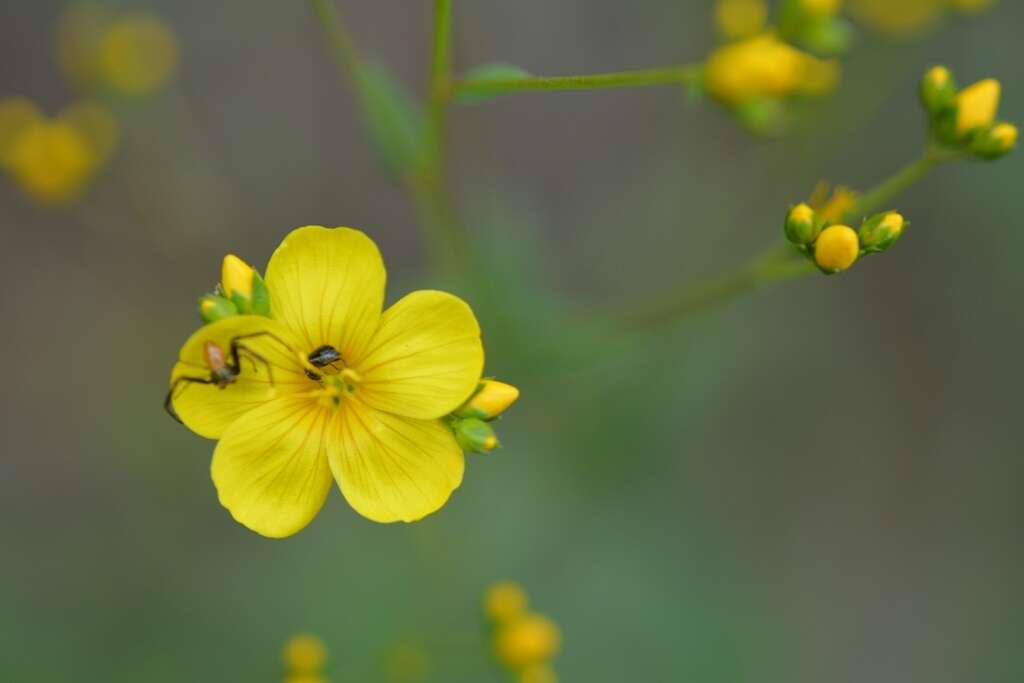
[440, 69]
[671, 75]
[884, 192]
[776, 264]
[343, 50]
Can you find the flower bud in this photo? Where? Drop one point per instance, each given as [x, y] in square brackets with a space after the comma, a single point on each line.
[819, 9]
[801, 226]
[491, 399]
[531, 639]
[504, 602]
[977, 105]
[938, 90]
[997, 141]
[213, 308]
[304, 654]
[236, 277]
[474, 435]
[836, 248]
[881, 231]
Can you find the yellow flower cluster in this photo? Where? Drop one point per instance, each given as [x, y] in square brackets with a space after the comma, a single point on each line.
[766, 67]
[909, 16]
[965, 121]
[834, 246]
[304, 659]
[54, 158]
[131, 54]
[524, 642]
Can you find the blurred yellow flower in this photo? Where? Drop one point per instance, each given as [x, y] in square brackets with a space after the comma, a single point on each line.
[505, 601]
[908, 16]
[356, 392]
[1005, 134]
[977, 105]
[53, 159]
[740, 18]
[832, 208]
[764, 66]
[527, 641]
[836, 248]
[538, 673]
[305, 678]
[134, 54]
[304, 654]
[407, 663]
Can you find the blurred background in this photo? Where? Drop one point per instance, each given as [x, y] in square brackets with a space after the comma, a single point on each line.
[817, 482]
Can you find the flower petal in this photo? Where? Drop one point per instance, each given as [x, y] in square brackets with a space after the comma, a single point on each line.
[271, 469]
[207, 409]
[425, 359]
[327, 286]
[391, 468]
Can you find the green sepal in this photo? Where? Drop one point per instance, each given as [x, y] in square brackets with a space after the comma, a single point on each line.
[242, 303]
[260, 296]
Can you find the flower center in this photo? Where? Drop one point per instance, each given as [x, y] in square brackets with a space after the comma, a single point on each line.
[334, 389]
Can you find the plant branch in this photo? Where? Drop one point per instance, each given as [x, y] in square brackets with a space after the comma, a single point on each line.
[671, 75]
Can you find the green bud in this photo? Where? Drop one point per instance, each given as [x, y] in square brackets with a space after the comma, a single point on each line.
[801, 226]
[938, 90]
[997, 141]
[474, 435]
[881, 231]
[213, 308]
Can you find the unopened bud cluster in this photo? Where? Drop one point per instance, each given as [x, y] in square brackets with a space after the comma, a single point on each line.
[471, 422]
[241, 291]
[834, 247]
[965, 120]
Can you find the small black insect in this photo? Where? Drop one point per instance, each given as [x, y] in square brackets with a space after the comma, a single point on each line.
[321, 357]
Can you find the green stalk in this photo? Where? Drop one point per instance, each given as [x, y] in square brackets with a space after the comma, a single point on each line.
[671, 75]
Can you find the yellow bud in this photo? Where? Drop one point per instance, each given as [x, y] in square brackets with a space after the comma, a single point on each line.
[977, 105]
[505, 602]
[538, 673]
[841, 201]
[532, 639]
[938, 91]
[800, 226]
[837, 248]
[820, 9]
[1005, 134]
[740, 18]
[304, 654]
[236, 276]
[881, 231]
[491, 400]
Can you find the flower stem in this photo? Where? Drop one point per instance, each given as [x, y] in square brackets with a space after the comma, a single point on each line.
[671, 75]
[342, 48]
[884, 192]
[776, 264]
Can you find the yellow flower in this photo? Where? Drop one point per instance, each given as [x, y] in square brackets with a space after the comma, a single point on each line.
[832, 208]
[764, 66]
[236, 276]
[367, 411]
[977, 105]
[304, 654]
[505, 601]
[137, 55]
[820, 9]
[54, 159]
[740, 18]
[837, 248]
[529, 640]
[134, 54]
[896, 16]
[538, 673]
